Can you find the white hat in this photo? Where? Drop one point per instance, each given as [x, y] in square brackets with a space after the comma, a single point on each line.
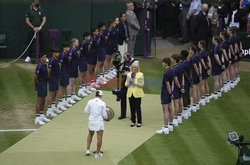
[99, 93]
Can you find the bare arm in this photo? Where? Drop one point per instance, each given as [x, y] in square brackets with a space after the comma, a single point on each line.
[176, 81]
[35, 80]
[29, 23]
[217, 58]
[203, 64]
[43, 22]
[196, 69]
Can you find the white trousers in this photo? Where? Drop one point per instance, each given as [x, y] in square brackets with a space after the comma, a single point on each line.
[123, 49]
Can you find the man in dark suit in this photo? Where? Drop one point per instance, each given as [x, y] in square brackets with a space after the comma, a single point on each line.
[202, 25]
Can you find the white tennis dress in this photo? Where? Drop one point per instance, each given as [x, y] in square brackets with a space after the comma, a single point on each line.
[96, 109]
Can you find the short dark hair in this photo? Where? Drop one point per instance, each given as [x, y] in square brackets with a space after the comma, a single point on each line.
[121, 13]
[184, 55]
[224, 33]
[112, 20]
[93, 29]
[65, 45]
[85, 34]
[101, 24]
[217, 39]
[203, 43]
[176, 57]
[167, 61]
[55, 50]
[42, 54]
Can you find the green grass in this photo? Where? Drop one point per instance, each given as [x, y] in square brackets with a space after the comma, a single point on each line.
[7, 139]
[199, 140]
[203, 138]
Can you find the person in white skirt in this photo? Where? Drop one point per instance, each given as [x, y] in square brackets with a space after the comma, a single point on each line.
[96, 109]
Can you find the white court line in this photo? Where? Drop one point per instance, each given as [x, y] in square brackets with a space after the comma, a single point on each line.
[18, 130]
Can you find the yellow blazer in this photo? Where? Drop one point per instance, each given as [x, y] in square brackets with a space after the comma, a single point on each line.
[136, 87]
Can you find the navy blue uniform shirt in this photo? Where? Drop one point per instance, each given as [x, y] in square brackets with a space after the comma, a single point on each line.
[64, 61]
[42, 73]
[54, 67]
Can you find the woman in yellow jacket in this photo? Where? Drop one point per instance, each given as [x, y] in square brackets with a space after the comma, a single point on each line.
[135, 83]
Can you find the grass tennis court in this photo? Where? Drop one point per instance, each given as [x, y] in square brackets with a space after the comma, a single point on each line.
[199, 140]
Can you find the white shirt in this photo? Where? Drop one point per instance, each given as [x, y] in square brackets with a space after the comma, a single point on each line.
[96, 109]
[233, 23]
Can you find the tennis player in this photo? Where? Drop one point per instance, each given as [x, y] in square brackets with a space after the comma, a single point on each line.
[96, 109]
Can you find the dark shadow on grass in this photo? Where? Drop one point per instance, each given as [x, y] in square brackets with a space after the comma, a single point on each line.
[181, 153]
[215, 143]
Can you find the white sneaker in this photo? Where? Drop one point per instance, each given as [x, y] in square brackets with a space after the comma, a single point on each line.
[98, 155]
[87, 91]
[44, 119]
[94, 85]
[163, 130]
[57, 111]
[193, 108]
[66, 104]
[83, 94]
[179, 119]
[170, 127]
[215, 96]
[27, 59]
[70, 101]
[197, 106]
[185, 114]
[175, 122]
[75, 98]
[87, 152]
[207, 100]
[219, 94]
[50, 113]
[61, 107]
[92, 89]
[39, 121]
[203, 102]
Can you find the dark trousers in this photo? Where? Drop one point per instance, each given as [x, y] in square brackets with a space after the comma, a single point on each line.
[186, 98]
[135, 109]
[123, 101]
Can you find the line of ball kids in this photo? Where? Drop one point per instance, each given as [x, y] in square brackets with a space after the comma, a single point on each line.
[191, 70]
[75, 62]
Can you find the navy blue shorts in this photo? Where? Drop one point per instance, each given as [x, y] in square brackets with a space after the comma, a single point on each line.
[165, 97]
[216, 70]
[101, 53]
[111, 49]
[64, 78]
[73, 72]
[92, 58]
[83, 65]
[195, 79]
[41, 89]
[53, 84]
[204, 74]
[177, 93]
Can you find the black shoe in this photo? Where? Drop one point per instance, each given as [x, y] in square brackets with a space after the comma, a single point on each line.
[132, 124]
[138, 125]
[121, 117]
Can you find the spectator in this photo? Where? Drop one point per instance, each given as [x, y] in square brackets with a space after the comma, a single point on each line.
[133, 27]
[195, 8]
[222, 14]
[35, 19]
[185, 5]
[234, 17]
[123, 34]
[202, 25]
